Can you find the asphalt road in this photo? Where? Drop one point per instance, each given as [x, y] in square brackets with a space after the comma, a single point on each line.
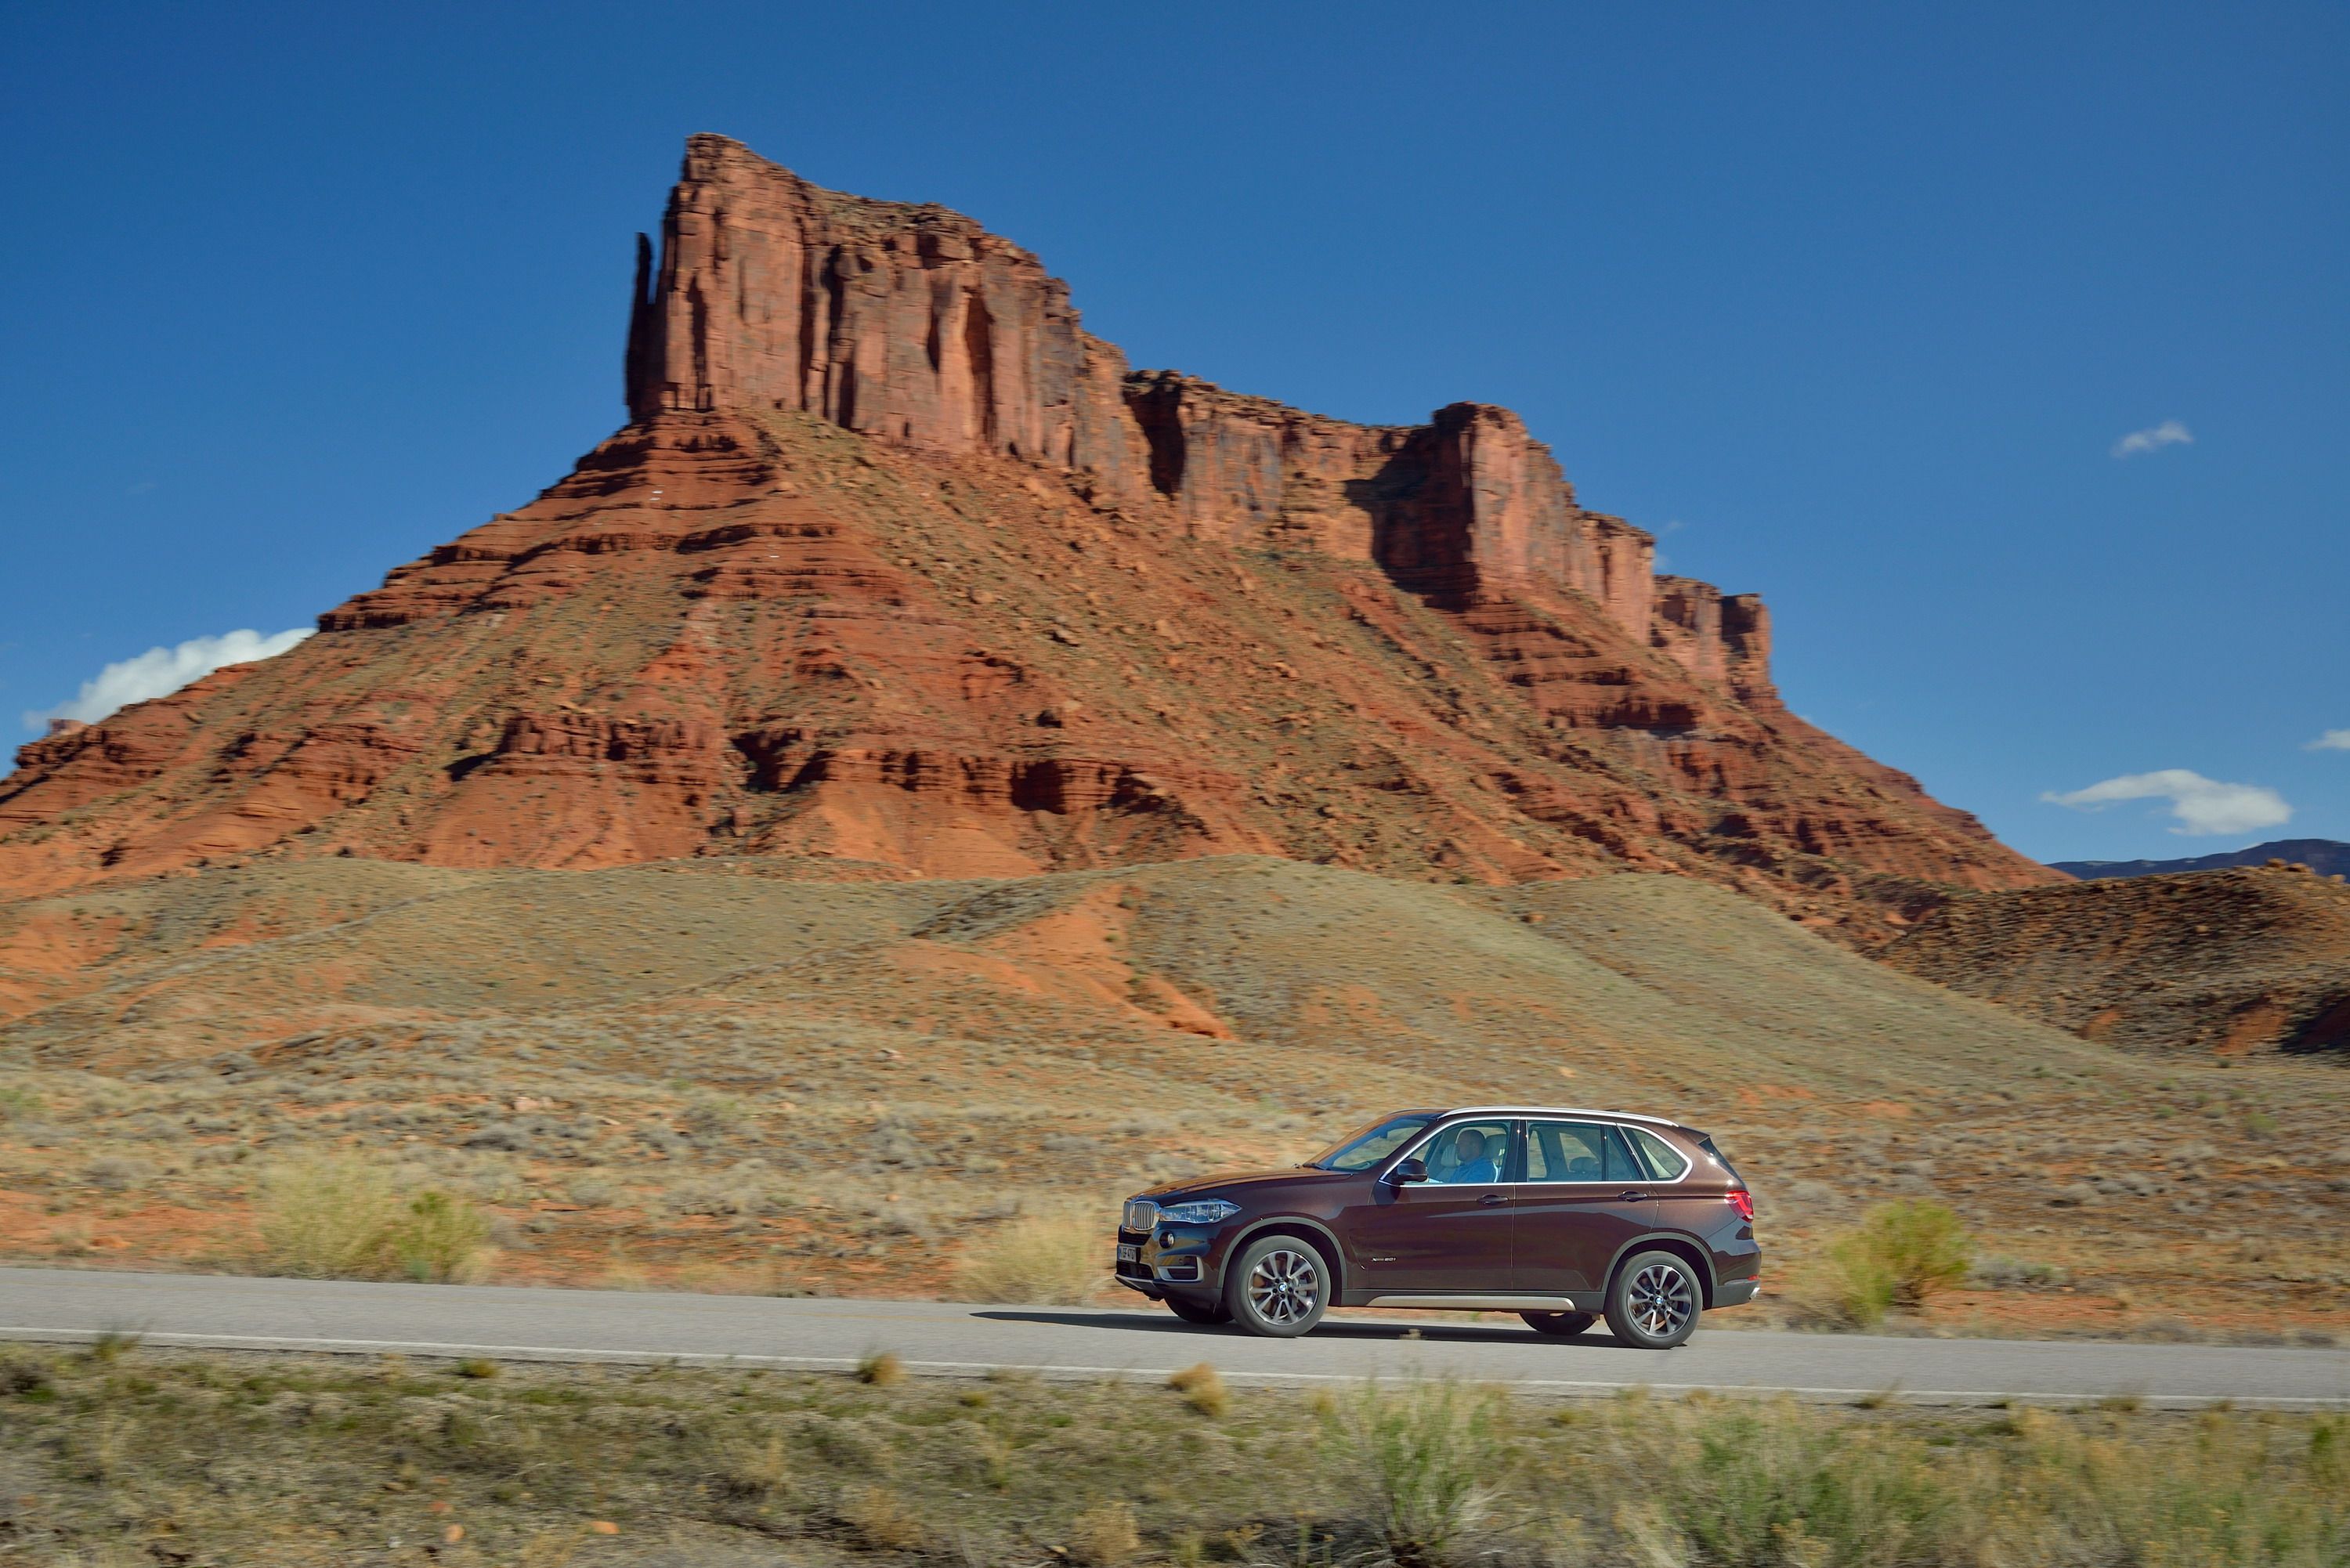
[951, 1339]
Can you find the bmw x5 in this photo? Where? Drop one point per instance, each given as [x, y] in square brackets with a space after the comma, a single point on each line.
[1563, 1216]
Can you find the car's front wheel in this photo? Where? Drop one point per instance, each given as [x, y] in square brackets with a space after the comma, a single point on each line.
[1197, 1311]
[1559, 1324]
[1655, 1301]
[1279, 1286]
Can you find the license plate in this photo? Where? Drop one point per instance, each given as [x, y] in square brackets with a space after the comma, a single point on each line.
[1129, 1252]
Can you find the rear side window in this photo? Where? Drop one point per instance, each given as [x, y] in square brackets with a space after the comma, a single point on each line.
[1720, 1159]
[1578, 1151]
[1667, 1163]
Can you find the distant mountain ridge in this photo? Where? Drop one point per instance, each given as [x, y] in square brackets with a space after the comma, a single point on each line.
[2326, 856]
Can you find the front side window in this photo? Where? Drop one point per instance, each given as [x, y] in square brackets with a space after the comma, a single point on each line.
[1579, 1151]
[1363, 1150]
[1468, 1154]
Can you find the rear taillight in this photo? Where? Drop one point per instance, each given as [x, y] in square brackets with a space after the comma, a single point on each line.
[1742, 1201]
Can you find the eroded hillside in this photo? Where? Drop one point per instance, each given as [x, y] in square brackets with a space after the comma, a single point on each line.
[2206, 963]
[711, 1072]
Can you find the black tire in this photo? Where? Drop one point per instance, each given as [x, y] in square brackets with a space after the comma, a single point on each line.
[1654, 1301]
[1279, 1287]
[1191, 1310]
[1559, 1324]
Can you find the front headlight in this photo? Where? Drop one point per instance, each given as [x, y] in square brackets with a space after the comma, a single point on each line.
[1203, 1211]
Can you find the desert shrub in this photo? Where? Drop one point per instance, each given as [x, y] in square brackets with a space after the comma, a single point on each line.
[116, 1173]
[19, 1105]
[753, 1471]
[715, 1115]
[1421, 1461]
[1105, 1537]
[21, 1372]
[883, 1369]
[442, 1238]
[739, 1191]
[1921, 1247]
[340, 1218]
[2005, 1274]
[881, 1520]
[1900, 1255]
[1203, 1389]
[594, 1192]
[1042, 1259]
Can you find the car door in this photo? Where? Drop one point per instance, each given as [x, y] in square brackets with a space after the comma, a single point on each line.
[1449, 1234]
[1581, 1196]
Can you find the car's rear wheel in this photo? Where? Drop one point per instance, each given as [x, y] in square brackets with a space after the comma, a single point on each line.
[1279, 1287]
[1559, 1324]
[1197, 1311]
[1654, 1302]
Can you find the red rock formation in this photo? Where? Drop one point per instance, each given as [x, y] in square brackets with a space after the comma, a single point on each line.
[912, 324]
[895, 564]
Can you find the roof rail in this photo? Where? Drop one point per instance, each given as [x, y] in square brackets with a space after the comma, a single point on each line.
[1559, 1111]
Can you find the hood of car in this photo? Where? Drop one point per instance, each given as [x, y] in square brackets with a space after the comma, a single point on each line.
[1233, 1183]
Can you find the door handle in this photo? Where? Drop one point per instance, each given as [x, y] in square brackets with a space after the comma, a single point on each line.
[1493, 1200]
[1630, 1197]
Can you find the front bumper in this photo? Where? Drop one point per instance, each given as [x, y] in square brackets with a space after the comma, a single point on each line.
[1173, 1260]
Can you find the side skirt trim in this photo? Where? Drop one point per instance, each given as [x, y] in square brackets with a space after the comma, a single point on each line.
[1484, 1303]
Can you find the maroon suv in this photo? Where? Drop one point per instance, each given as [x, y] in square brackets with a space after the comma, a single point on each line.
[1557, 1215]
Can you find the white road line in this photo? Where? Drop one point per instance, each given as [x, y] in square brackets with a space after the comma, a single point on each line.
[981, 1368]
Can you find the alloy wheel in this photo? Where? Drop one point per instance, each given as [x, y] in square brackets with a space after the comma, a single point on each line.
[1661, 1300]
[1284, 1287]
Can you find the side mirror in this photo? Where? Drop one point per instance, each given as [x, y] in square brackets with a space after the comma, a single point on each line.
[1408, 1170]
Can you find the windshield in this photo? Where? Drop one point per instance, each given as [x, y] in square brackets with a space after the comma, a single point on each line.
[1361, 1150]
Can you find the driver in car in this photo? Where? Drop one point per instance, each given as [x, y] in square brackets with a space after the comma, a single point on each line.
[1471, 1165]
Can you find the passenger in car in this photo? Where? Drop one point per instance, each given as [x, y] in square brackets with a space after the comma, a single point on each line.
[1471, 1166]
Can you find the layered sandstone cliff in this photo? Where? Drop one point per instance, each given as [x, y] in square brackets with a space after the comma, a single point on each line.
[895, 564]
[915, 326]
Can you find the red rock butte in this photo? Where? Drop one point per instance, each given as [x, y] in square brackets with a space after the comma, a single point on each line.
[897, 571]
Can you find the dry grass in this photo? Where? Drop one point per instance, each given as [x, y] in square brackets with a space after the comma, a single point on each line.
[348, 1219]
[1105, 1537]
[1042, 1259]
[882, 1520]
[1203, 1389]
[153, 1455]
[1423, 1464]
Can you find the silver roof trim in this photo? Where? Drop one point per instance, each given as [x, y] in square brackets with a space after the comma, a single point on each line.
[1561, 1111]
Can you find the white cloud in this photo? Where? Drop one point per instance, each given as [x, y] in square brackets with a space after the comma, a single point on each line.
[2154, 438]
[2203, 807]
[160, 671]
[2332, 740]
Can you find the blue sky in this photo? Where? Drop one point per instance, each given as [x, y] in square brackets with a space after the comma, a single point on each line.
[1851, 303]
